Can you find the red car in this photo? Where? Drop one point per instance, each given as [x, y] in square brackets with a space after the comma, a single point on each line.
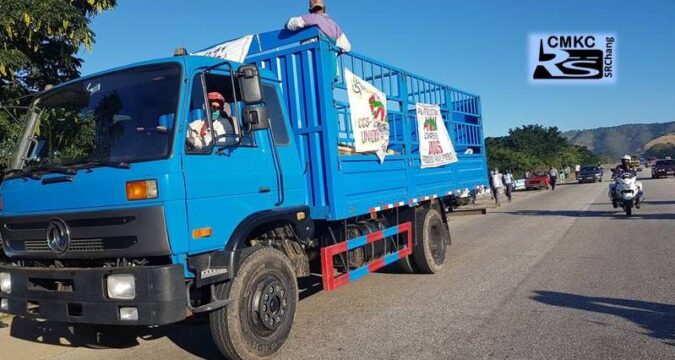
[538, 179]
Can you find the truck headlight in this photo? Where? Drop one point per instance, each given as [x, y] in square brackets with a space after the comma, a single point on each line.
[121, 286]
[5, 283]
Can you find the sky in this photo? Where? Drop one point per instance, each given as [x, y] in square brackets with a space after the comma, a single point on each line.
[479, 46]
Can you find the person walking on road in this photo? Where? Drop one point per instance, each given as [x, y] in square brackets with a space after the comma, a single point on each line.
[492, 184]
[508, 184]
[496, 184]
[577, 168]
[553, 174]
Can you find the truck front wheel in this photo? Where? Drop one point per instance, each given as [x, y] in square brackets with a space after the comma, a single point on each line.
[264, 296]
[432, 238]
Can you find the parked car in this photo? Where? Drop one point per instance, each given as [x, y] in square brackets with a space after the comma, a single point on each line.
[590, 174]
[538, 179]
[519, 184]
[663, 168]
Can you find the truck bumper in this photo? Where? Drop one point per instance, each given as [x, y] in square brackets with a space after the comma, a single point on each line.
[80, 295]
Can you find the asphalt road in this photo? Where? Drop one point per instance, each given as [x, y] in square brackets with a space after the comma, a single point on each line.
[553, 275]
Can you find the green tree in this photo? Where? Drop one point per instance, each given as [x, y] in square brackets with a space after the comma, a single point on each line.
[39, 43]
[535, 147]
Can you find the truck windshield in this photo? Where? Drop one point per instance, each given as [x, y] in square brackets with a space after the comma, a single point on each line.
[125, 116]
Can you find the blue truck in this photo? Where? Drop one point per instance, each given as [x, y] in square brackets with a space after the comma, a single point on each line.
[111, 219]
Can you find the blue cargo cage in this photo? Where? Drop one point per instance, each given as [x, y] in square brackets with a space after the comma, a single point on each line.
[310, 69]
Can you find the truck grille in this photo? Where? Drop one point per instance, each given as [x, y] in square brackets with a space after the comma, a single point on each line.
[76, 245]
[136, 232]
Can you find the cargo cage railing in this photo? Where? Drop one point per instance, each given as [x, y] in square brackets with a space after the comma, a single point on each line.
[461, 110]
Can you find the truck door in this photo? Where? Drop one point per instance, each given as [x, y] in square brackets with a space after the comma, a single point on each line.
[223, 186]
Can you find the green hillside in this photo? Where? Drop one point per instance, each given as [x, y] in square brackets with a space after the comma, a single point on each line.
[613, 142]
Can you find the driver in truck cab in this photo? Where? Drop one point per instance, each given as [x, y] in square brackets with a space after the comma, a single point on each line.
[199, 135]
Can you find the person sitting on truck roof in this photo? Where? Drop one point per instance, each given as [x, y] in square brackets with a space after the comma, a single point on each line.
[199, 135]
[318, 17]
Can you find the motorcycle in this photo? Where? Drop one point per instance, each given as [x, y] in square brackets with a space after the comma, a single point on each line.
[626, 192]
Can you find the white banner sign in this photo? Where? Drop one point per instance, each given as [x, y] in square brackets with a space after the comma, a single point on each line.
[435, 146]
[368, 108]
[235, 50]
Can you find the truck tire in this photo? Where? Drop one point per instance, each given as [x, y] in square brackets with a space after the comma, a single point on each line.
[264, 296]
[105, 336]
[432, 238]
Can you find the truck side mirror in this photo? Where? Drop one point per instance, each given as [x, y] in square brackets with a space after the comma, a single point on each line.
[255, 118]
[249, 84]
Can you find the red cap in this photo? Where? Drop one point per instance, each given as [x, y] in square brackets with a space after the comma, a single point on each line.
[216, 96]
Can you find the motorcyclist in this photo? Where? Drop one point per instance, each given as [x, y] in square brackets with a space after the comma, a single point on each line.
[624, 167]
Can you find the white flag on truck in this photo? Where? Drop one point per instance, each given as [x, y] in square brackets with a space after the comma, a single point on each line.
[235, 50]
[368, 109]
[435, 146]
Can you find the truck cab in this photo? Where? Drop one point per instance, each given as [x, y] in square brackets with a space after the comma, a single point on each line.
[108, 189]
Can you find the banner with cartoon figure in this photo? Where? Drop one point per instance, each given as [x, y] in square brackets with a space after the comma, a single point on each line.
[368, 107]
[435, 146]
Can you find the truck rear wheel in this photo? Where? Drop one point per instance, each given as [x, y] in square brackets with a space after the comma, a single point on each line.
[264, 297]
[432, 238]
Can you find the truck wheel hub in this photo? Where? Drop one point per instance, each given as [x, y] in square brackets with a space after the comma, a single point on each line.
[271, 303]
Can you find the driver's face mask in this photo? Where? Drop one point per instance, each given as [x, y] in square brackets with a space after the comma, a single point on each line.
[215, 115]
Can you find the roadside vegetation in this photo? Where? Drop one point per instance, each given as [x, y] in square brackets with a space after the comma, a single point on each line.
[661, 151]
[39, 45]
[535, 147]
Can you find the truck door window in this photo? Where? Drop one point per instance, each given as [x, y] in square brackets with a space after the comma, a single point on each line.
[277, 122]
[227, 116]
[199, 131]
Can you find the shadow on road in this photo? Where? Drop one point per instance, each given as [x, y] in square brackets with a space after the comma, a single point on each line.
[48, 332]
[192, 335]
[660, 202]
[309, 286]
[657, 319]
[593, 213]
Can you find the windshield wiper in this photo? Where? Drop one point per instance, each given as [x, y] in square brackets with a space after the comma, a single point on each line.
[21, 173]
[112, 164]
[65, 170]
[33, 172]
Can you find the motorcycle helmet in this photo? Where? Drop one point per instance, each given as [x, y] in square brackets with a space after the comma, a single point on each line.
[625, 160]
